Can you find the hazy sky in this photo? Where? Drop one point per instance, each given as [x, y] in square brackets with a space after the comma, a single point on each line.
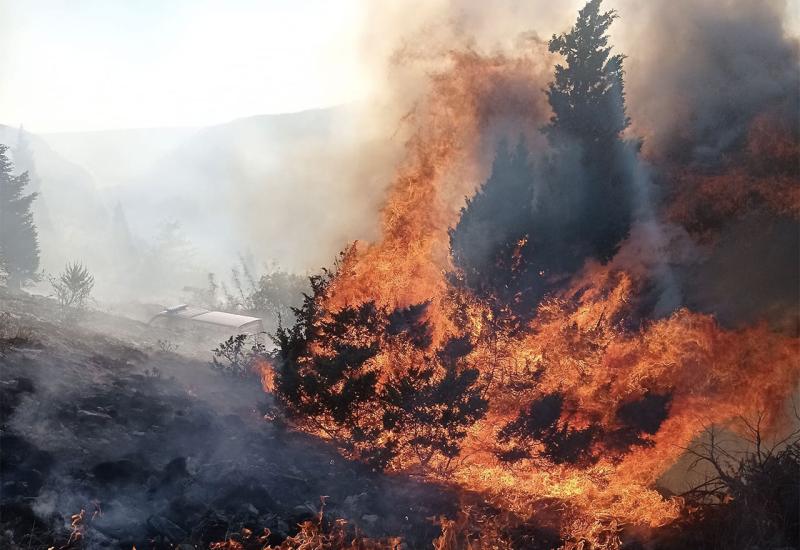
[98, 64]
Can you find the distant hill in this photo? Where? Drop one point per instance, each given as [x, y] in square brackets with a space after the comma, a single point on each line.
[117, 157]
[293, 188]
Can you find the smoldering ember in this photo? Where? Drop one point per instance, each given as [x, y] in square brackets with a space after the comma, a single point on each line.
[492, 275]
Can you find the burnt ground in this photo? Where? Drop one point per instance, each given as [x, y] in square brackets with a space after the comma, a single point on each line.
[159, 449]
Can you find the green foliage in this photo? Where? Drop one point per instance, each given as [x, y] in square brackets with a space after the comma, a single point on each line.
[276, 293]
[19, 242]
[587, 94]
[430, 412]
[73, 287]
[271, 295]
[586, 207]
[239, 355]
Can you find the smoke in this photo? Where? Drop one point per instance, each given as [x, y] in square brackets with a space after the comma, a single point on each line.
[698, 72]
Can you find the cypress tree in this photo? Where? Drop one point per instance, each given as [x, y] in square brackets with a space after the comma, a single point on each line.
[590, 176]
[19, 242]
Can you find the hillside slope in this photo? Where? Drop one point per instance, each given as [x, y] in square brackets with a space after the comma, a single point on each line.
[161, 450]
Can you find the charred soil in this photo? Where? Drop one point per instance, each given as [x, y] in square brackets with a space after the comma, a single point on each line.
[110, 442]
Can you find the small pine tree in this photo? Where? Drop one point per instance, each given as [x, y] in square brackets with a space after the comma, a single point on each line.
[19, 242]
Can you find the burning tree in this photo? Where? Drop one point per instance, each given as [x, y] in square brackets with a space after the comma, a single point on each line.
[494, 227]
[528, 229]
[330, 382]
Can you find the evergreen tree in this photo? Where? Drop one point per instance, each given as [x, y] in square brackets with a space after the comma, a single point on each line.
[23, 159]
[422, 410]
[19, 245]
[587, 95]
[530, 227]
[590, 176]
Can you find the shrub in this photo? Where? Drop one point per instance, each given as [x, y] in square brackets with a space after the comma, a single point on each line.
[73, 288]
[239, 355]
[167, 346]
[12, 333]
[749, 499]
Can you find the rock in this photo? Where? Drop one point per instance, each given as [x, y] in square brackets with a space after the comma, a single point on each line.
[120, 471]
[175, 470]
[281, 528]
[370, 518]
[167, 528]
[301, 514]
[24, 385]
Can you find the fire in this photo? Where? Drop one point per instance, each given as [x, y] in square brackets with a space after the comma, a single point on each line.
[441, 166]
[627, 393]
[266, 371]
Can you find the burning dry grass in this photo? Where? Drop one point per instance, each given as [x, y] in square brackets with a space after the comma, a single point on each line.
[317, 534]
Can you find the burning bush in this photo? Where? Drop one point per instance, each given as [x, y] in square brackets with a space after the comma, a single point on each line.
[746, 498]
[331, 383]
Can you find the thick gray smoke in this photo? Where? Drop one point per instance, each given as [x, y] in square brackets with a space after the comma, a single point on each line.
[698, 72]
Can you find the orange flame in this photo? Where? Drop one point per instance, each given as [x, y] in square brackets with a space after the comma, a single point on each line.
[580, 344]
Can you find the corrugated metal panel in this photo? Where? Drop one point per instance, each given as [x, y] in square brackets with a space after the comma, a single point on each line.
[244, 323]
[224, 319]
